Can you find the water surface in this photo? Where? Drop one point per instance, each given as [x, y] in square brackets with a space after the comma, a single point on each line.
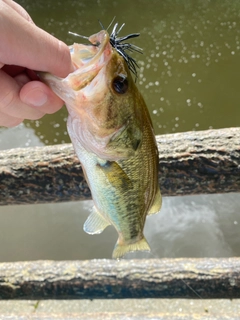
[189, 72]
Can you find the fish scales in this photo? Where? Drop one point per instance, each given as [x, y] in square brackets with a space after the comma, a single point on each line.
[112, 134]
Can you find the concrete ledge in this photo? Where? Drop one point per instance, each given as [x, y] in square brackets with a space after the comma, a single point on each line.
[110, 279]
[189, 163]
[156, 309]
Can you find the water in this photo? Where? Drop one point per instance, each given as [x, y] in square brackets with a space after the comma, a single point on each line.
[191, 226]
[189, 70]
[189, 77]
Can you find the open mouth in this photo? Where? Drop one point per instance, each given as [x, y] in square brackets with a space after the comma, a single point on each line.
[84, 56]
[89, 60]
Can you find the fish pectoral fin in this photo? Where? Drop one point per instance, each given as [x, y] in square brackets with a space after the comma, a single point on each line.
[121, 249]
[95, 223]
[157, 203]
[116, 176]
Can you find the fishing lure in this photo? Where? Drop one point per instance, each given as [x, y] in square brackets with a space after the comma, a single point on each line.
[120, 46]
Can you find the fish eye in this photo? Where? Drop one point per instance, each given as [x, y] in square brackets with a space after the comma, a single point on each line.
[120, 84]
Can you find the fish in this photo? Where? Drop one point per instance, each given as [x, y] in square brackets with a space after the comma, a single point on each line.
[112, 134]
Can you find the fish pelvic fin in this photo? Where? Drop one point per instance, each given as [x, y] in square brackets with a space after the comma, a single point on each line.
[121, 249]
[157, 203]
[95, 223]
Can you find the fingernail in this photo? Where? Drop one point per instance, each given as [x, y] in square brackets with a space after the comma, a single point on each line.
[36, 98]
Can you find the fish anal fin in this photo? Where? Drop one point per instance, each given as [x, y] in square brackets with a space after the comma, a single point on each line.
[95, 223]
[121, 249]
[157, 203]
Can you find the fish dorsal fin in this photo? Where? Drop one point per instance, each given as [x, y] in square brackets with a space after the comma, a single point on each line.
[157, 203]
[95, 223]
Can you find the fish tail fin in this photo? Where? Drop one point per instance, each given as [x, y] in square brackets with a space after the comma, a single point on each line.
[121, 249]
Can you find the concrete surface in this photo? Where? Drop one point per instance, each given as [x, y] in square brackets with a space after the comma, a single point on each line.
[180, 306]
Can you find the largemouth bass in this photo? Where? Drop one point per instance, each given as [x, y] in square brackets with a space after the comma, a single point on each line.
[112, 134]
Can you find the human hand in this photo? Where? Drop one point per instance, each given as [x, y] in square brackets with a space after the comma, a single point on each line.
[24, 48]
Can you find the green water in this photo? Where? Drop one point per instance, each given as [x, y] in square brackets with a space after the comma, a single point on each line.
[189, 72]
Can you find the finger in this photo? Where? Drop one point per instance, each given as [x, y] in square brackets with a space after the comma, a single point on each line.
[40, 96]
[8, 121]
[10, 103]
[22, 43]
[18, 9]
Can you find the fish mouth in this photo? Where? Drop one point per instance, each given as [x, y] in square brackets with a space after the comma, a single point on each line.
[88, 54]
[88, 60]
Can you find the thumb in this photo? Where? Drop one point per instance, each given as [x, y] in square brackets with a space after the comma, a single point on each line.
[31, 47]
[39, 96]
[10, 102]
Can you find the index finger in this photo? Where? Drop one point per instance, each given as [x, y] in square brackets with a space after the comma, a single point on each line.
[24, 44]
